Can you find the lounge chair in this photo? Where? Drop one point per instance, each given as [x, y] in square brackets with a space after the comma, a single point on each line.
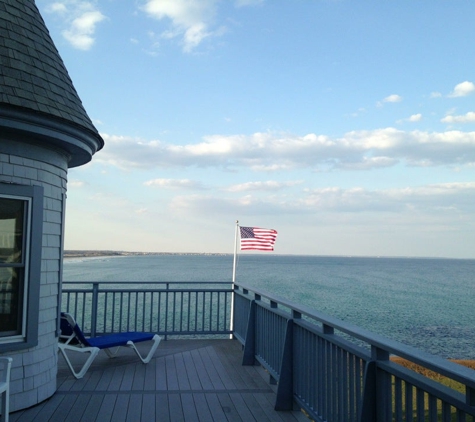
[5, 387]
[73, 339]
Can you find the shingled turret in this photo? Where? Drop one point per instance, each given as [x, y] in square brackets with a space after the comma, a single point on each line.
[38, 101]
[44, 131]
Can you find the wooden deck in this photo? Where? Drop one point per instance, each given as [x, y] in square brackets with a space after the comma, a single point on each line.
[187, 380]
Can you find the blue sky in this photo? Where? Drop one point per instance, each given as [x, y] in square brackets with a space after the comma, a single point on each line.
[347, 126]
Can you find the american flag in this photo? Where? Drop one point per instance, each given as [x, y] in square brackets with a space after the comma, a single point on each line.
[255, 238]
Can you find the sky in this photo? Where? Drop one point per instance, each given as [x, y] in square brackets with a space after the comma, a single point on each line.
[347, 126]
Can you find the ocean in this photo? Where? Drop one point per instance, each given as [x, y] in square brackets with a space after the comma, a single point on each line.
[425, 303]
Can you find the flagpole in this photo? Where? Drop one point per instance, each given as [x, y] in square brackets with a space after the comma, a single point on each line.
[235, 251]
[231, 322]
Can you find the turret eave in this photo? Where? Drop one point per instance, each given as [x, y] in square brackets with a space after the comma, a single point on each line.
[24, 126]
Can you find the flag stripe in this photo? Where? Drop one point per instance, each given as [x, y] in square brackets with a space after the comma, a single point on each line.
[256, 238]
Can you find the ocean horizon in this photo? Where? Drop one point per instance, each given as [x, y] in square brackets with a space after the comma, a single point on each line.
[422, 302]
[89, 253]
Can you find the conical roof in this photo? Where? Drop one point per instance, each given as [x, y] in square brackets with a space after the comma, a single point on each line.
[35, 85]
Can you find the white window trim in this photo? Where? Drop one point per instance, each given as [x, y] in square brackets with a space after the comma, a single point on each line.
[33, 232]
[25, 266]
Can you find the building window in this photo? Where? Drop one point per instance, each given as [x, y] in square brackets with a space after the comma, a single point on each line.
[21, 211]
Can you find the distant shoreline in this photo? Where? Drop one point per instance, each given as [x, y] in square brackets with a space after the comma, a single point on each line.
[95, 254]
[79, 253]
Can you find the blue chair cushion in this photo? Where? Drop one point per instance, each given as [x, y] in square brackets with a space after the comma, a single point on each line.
[118, 339]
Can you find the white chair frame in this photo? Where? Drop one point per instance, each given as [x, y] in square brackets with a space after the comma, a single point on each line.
[65, 345]
[5, 387]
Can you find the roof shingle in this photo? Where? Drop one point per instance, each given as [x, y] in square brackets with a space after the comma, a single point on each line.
[32, 73]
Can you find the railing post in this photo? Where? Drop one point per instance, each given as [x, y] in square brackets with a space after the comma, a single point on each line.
[248, 357]
[166, 309]
[470, 396]
[285, 389]
[95, 303]
[376, 406]
[328, 329]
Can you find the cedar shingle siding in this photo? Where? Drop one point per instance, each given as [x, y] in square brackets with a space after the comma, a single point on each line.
[44, 130]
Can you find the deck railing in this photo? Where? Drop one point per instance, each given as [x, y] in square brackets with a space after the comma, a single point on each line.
[167, 308]
[333, 370]
[336, 371]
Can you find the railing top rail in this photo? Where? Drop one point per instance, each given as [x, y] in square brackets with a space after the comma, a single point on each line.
[147, 290]
[435, 363]
[149, 282]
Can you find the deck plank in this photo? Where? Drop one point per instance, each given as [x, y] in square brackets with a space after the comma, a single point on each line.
[181, 373]
[92, 407]
[211, 370]
[148, 407]
[254, 407]
[203, 376]
[76, 411]
[162, 408]
[171, 374]
[134, 411]
[160, 375]
[187, 380]
[189, 409]
[120, 409]
[105, 380]
[193, 377]
[244, 376]
[150, 374]
[107, 408]
[92, 382]
[175, 408]
[62, 409]
[138, 379]
[221, 369]
[241, 406]
[232, 415]
[217, 412]
[202, 407]
[128, 378]
[268, 407]
[116, 379]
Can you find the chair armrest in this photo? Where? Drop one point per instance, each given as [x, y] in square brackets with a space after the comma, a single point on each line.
[7, 364]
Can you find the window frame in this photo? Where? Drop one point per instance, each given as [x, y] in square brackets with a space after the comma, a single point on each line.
[33, 232]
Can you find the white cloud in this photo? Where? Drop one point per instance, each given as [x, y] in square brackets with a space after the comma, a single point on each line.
[415, 117]
[394, 98]
[213, 205]
[463, 89]
[412, 118]
[429, 198]
[465, 118]
[270, 185]
[57, 7]
[81, 31]
[191, 19]
[445, 200]
[80, 18]
[369, 163]
[435, 95]
[76, 184]
[356, 150]
[174, 184]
